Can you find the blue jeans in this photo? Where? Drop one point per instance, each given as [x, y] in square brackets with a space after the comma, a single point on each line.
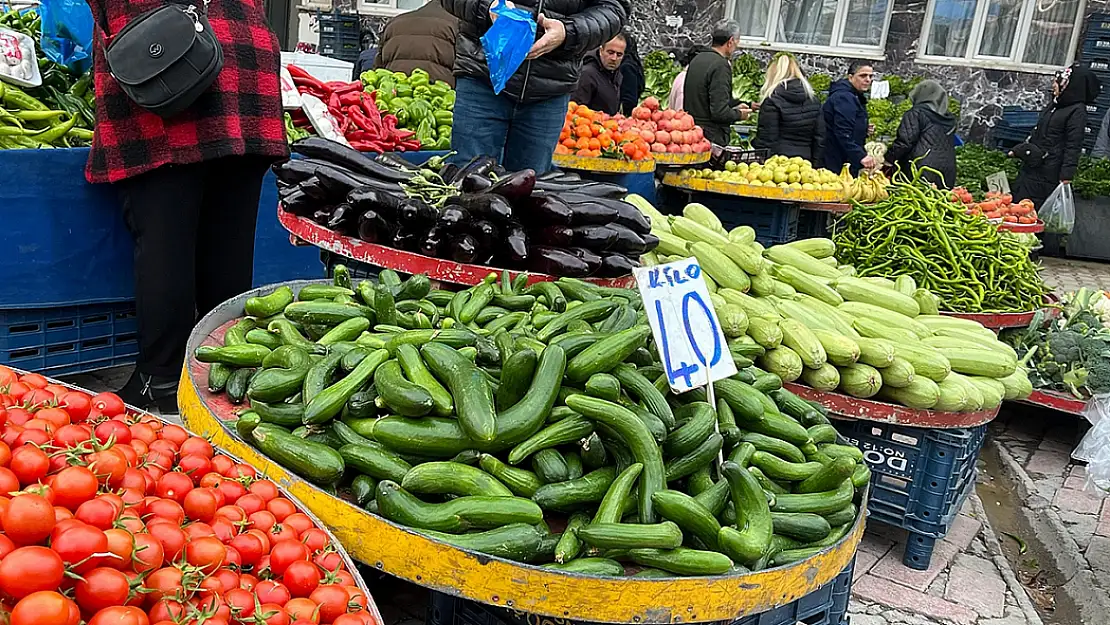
[519, 136]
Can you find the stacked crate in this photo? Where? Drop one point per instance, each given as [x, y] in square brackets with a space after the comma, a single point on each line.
[339, 36]
[1095, 53]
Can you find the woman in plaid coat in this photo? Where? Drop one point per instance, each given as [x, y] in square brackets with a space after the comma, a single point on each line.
[190, 184]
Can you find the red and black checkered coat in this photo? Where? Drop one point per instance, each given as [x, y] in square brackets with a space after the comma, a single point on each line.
[239, 115]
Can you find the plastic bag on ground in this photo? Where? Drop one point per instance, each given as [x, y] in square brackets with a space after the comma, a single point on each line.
[1094, 449]
[1058, 211]
[67, 33]
[507, 42]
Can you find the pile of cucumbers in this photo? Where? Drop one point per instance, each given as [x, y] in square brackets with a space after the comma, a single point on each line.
[533, 423]
[807, 318]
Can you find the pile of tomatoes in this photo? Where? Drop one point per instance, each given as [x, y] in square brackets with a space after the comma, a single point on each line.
[650, 130]
[112, 518]
[998, 206]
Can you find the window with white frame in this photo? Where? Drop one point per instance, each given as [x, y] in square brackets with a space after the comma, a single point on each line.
[838, 27]
[387, 7]
[1005, 34]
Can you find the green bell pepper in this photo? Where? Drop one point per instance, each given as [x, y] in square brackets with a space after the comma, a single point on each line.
[369, 79]
[422, 91]
[404, 89]
[419, 77]
[426, 133]
[443, 143]
[420, 110]
[443, 131]
[444, 118]
[449, 100]
[400, 77]
[439, 88]
[388, 85]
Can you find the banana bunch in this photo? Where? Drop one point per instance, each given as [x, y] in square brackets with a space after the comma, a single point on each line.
[869, 187]
[846, 180]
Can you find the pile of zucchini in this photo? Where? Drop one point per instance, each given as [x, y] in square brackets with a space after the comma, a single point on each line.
[533, 423]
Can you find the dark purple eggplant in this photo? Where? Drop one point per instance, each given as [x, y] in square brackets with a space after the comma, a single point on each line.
[475, 184]
[597, 238]
[555, 236]
[464, 249]
[480, 165]
[406, 239]
[448, 172]
[516, 186]
[344, 220]
[650, 241]
[322, 215]
[315, 190]
[389, 159]
[516, 242]
[340, 183]
[556, 175]
[433, 241]
[298, 202]
[591, 189]
[484, 205]
[631, 217]
[385, 203]
[324, 149]
[545, 209]
[285, 190]
[486, 233]
[626, 241]
[588, 213]
[415, 213]
[554, 261]
[616, 265]
[294, 170]
[454, 218]
[592, 260]
[373, 228]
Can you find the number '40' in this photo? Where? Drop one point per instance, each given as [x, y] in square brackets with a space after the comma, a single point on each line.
[685, 371]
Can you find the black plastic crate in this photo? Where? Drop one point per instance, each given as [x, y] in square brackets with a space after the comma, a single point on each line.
[773, 221]
[358, 270]
[1018, 117]
[1096, 47]
[1098, 24]
[828, 605]
[1099, 63]
[919, 478]
[69, 339]
[813, 224]
[338, 23]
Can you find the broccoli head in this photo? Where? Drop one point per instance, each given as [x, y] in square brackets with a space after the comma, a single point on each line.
[1093, 346]
[1064, 346]
[1098, 376]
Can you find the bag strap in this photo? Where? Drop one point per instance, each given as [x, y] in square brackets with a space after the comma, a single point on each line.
[189, 9]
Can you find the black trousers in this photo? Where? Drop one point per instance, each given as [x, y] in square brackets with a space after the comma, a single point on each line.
[193, 227]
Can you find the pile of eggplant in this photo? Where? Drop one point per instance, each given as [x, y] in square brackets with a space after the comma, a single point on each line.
[554, 223]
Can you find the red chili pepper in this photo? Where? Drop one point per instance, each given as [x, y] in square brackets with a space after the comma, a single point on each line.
[348, 99]
[298, 72]
[410, 146]
[333, 101]
[358, 135]
[368, 146]
[344, 87]
[344, 125]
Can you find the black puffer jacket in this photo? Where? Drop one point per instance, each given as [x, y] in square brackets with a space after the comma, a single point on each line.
[926, 135]
[791, 123]
[589, 23]
[1052, 153]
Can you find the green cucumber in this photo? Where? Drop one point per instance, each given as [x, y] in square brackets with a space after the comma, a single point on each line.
[643, 390]
[238, 383]
[607, 353]
[399, 394]
[747, 544]
[565, 496]
[604, 386]
[517, 541]
[432, 437]
[349, 330]
[290, 335]
[417, 287]
[574, 465]
[597, 567]
[683, 561]
[829, 477]
[782, 426]
[516, 375]
[560, 433]
[284, 375]
[861, 475]
[825, 502]
[329, 402]
[527, 416]
[593, 452]
[767, 483]
[700, 456]
[689, 514]
[375, 461]
[218, 373]
[363, 404]
[745, 401]
[589, 311]
[363, 489]
[452, 478]
[417, 372]
[847, 514]
[569, 546]
[457, 515]
[664, 535]
[803, 526]
[285, 415]
[265, 338]
[612, 504]
[326, 313]
[315, 462]
[312, 292]
[472, 393]
[246, 355]
[246, 423]
[776, 446]
[778, 469]
[836, 451]
[269, 305]
[550, 465]
[697, 423]
[521, 482]
[320, 374]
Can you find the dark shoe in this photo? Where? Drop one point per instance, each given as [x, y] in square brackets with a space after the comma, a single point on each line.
[147, 392]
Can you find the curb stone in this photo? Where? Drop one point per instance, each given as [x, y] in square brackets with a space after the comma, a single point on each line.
[1000, 561]
[1081, 593]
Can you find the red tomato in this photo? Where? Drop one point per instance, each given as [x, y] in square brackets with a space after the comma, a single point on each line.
[263, 520]
[197, 446]
[251, 503]
[57, 416]
[77, 404]
[299, 521]
[7, 376]
[232, 513]
[70, 436]
[284, 553]
[222, 464]
[112, 430]
[99, 512]
[199, 529]
[271, 614]
[166, 581]
[28, 519]
[281, 508]
[167, 509]
[228, 579]
[247, 581]
[265, 489]
[332, 599]
[315, 539]
[149, 553]
[269, 591]
[101, 588]
[224, 529]
[43, 608]
[351, 618]
[77, 543]
[121, 548]
[108, 403]
[5, 454]
[34, 380]
[18, 389]
[19, 415]
[250, 548]
[302, 610]
[175, 434]
[11, 434]
[174, 485]
[206, 553]
[231, 490]
[143, 432]
[6, 546]
[241, 603]
[133, 479]
[242, 470]
[30, 569]
[167, 610]
[74, 486]
[356, 595]
[120, 615]
[9, 483]
[281, 531]
[171, 537]
[328, 560]
[37, 397]
[195, 467]
[300, 577]
[29, 464]
[108, 465]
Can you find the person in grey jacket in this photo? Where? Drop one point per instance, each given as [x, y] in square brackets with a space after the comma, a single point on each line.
[1102, 143]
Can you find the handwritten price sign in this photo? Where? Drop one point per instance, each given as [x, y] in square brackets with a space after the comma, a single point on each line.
[691, 342]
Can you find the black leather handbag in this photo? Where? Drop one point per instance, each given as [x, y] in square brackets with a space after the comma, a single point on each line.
[165, 58]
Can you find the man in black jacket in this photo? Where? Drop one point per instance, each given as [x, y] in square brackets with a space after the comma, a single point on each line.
[521, 125]
[599, 84]
[708, 89]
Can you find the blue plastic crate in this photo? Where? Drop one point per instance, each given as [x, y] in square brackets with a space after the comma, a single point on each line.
[1098, 25]
[69, 339]
[773, 221]
[828, 605]
[1018, 117]
[919, 477]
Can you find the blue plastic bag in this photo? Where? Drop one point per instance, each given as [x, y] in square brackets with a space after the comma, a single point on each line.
[67, 33]
[507, 42]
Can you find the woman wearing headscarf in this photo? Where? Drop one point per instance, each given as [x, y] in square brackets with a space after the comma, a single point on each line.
[632, 75]
[678, 87]
[926, 136]
[790, 119]
[1051, 154]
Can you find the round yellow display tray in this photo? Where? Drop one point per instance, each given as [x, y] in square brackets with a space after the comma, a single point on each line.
[603, 165]
[406, 554]
[744, 190]
[692, 158]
